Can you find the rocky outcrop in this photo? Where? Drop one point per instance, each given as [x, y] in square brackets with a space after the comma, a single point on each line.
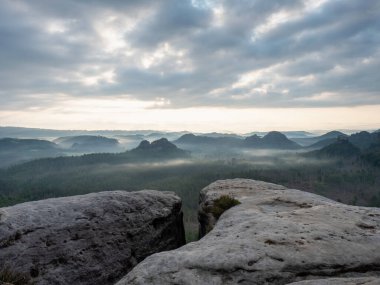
[341, 281]
[89, 239]
[275, 236]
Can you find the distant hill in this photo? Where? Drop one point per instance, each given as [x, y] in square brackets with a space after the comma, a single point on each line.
[372, 154]
[364, 139]
[87, 142]
[17, 132]
[132, 137]
[342, 148]
[289, 134]
[279, 141]
[322, 143]
[168, 135]
[191, 139]
[50, 134]
[13, 144]
[161, 146]
[332, 135]
[160, 150]
[308, 142]
[14, 150]
[297, 134]
[253, 140]
[354, 146]
[272, 140]
[221, 135]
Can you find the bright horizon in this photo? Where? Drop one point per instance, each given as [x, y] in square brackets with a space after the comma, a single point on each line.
[203, 120]
[239, 121]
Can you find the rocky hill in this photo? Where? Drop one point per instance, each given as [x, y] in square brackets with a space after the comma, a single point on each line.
[364, 140]
[329, 136]
[272, 140]
[274, 235]
[161, 146]
[342, 148]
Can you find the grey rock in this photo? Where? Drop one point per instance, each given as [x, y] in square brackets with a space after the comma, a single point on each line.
[89, 239]
[275, 236]
[341, 281]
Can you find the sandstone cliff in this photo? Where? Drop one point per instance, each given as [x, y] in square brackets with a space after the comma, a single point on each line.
[341, 281]
[88, 239]
[275, 236]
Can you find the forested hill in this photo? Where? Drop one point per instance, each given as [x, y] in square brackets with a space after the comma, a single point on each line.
[159, 150]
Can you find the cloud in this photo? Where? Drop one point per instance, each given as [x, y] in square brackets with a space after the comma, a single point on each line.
[191, 53]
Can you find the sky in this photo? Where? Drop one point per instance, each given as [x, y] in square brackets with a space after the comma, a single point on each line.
[201, 65]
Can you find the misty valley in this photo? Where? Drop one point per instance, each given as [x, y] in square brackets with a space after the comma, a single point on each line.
[36, 164]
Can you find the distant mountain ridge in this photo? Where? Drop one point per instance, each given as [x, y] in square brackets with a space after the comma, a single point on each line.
[159, 150]
[308, 142]
[87, 141]
[272, 140]
[159, 146]
[342, 148]
[229, 141]
[13, 144]
[362, 140]
[289, 134]
[14, 150]
[372, 154]
[332, 135]
[362, 145]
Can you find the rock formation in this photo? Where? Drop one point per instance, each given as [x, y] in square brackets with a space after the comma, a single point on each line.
[89, 239]
[275, 236]
[341, 281]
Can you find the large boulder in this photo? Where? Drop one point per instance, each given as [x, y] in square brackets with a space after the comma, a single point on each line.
[89, 239]
[275, 236]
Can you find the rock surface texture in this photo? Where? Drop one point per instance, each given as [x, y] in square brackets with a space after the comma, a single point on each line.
[341, 281]
[275, 236]
[89, 239]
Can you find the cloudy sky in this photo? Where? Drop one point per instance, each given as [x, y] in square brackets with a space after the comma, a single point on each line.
[232, 65]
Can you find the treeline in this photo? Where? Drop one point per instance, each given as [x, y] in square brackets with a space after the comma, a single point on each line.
[337, 179]
[348, 181]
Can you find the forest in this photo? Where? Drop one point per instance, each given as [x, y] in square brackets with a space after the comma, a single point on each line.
[348, 180]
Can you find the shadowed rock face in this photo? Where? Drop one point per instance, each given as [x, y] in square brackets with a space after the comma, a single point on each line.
[275, 236]
[88, 239]
[341, 281]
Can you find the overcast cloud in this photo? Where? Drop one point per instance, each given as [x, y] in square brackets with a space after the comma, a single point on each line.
[184, 53]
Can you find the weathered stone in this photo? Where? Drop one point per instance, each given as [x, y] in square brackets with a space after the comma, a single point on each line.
[275, 236]
[89, 239]
[341, 281]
